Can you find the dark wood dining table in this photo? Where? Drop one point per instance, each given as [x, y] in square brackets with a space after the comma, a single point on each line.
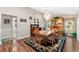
[48, 36]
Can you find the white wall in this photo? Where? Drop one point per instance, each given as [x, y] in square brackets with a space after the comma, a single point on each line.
[78, 27]
[23, 29]
[0, 27]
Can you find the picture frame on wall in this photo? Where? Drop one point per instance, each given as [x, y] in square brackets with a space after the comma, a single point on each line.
[37, 19]
[38, 22]
[6, 21]
[34, 19]
[30, 17]
[23, 20]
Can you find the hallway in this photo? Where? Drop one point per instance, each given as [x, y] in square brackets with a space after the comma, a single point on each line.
[71, 45]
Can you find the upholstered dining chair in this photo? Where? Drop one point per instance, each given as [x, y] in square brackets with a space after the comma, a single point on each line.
[37, 35]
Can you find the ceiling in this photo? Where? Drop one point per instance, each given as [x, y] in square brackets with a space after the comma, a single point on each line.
[58, 10]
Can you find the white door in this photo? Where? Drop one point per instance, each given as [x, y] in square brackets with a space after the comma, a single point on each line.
[14, 33]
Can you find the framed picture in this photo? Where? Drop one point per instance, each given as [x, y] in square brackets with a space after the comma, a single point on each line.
[6, 21]
[38, 22]
[30, 17]
[37, 19]
[23, 20]
[34, 19]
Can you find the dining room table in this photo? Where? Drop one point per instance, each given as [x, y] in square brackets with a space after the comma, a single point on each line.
[48, 36]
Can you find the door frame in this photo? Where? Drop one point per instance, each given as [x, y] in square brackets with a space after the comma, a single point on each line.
[11, 24]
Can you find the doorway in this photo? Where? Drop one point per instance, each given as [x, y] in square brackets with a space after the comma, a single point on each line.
[8, 31]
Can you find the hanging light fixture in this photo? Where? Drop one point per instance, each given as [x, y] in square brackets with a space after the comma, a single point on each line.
[47, 16]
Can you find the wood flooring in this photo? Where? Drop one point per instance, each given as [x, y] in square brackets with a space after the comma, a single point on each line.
[71, 45]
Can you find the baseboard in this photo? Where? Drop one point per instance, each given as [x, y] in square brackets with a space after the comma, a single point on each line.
[18, 38]
[23, 37]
